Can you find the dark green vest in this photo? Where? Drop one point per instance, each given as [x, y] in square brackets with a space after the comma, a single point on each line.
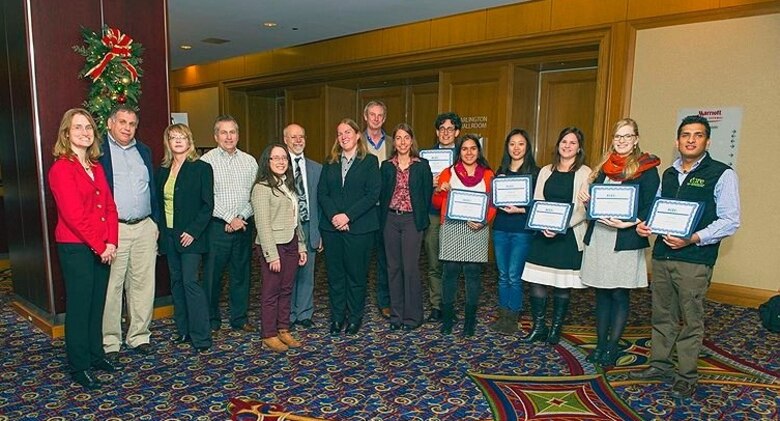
[698, 186]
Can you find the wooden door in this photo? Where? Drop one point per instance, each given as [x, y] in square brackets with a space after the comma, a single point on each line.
[566, 98]
[423, 104]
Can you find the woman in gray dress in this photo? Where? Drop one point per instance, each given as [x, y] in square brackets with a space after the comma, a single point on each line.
[614, 260]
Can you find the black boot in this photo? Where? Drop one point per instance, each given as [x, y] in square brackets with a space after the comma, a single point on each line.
[560, 308]
[539, 330]
[447, 318]
[470, 322]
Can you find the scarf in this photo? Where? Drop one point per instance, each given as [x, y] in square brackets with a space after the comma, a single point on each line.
[616, 165]
[465, 178]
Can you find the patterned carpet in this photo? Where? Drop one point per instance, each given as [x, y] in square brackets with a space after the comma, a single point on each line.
[376, 375]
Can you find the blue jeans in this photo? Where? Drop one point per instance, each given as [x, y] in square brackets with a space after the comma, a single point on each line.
[511, 250]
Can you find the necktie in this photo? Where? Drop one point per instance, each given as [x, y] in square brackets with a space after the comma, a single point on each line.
[300, 189]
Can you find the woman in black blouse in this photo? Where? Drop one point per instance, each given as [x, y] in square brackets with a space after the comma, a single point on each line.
[407, 185]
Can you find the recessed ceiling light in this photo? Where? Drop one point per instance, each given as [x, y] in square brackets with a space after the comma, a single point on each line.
[269, 24]
[185, 47]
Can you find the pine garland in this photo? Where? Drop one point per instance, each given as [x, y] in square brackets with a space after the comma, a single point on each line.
[112, 62]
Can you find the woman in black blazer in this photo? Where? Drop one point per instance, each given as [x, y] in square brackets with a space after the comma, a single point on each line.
[186, 190]
[407, 186]
[348, 191]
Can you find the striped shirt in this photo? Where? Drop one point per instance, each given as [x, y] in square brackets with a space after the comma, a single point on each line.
[234, 176]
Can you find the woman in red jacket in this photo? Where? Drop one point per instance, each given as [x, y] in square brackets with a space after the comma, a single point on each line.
[87, 237]
[463, 245]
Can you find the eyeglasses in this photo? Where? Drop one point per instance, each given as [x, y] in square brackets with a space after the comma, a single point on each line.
[619, 137]
[447, 129]
[278, 159]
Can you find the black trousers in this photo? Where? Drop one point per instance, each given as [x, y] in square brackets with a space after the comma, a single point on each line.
[86, 281]
[346, 260]
[190, 311]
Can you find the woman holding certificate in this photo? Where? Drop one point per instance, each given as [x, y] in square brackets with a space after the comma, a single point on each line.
[464, 243]
[614, 260]
[511, 240]
[348, 191]
[407, 185]
[555, 258]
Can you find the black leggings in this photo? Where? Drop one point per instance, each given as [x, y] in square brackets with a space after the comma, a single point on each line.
[611, 315]
[540, 291]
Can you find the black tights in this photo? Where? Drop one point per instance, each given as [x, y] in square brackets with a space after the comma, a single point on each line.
[611, 315]
[540, 291]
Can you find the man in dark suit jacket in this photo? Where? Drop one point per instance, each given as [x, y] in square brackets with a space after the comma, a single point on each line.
[128, 166]
[307, 175]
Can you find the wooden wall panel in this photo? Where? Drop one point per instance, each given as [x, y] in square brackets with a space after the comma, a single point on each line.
[518, 19]
[566, 99]
[424, 107]
[580, 13]
[459, 29]
[262, 122]
[732, 3]
[340, 103]
[525, 97]
[406, 38]
[259, 63]
[202, 107]
[232, 68]
[306, 106]
[638, 9]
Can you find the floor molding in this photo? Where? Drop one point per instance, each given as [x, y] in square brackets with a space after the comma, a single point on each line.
[739, 295]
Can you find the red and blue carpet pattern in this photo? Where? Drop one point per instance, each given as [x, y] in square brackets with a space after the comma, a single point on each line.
[376, 375]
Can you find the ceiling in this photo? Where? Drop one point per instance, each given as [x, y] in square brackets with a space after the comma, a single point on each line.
[297, 22]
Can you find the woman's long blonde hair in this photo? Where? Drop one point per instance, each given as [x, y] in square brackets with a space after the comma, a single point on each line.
[62, 145]
[362, 148]
[632, 161]
[179, 128]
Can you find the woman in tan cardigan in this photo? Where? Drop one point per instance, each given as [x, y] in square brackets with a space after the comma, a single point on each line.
[275, 205]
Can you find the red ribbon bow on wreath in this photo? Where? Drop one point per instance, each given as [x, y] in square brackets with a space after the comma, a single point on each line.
[119, 45]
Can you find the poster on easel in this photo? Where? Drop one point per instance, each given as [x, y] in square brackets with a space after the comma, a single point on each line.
[726, 125]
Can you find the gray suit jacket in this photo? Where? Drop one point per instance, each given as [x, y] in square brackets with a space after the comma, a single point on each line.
[313, 171]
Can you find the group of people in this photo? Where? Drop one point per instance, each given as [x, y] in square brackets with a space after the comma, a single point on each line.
[374, 192]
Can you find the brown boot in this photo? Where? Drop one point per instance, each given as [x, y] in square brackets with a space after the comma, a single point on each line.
[274, 344]
[284, 336]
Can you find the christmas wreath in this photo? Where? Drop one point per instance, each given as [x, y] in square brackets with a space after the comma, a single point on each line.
[112, 62]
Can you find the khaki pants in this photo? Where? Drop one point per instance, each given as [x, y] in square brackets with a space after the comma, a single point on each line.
[132, 272]
[679, 289]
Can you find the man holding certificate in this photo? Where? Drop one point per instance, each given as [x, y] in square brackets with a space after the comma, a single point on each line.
[682, 267]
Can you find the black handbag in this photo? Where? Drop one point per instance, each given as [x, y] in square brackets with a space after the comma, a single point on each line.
[770, 314]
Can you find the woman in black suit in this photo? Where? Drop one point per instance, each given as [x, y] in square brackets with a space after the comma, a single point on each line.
[348, 191]
[407, 186]
[186, 190]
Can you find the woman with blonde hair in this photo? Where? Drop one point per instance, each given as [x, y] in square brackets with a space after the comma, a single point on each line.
[185, 189]
[87, 235]
[348, 191]
[614, 259]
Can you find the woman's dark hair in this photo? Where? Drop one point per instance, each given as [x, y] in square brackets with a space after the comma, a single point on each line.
[267, 177]
[481, 161]
[580, 159]
[529, 163]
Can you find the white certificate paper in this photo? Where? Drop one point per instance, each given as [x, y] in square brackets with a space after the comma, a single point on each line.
[674, 217]
[551, 216]
[512, 191]
[613, 201]
[438, 159]
[465, 205]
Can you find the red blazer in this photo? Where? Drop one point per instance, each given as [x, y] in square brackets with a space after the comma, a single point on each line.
[86, 212]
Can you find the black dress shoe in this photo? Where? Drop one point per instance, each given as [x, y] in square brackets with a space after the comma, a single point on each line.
[409, 328]
[202, 349]
[336, 327]
[145, 349]
[435, 315]
[106, 365]
[683, 389]
[112, 356]
[86, 380]
[353, 328]
[395, 326]
[650, 373]
[307, 323]
[180, 339]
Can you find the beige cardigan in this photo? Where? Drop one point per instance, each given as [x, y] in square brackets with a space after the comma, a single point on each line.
[578, 222]
[276, 219]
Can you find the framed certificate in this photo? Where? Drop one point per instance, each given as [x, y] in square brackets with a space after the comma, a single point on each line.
[551, 216]
[674, 217]
[613, 201]
[465, 205]
[512, 191]
[438, 159]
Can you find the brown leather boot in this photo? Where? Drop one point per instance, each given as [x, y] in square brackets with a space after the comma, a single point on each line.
[284, 336]
[274, 344]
